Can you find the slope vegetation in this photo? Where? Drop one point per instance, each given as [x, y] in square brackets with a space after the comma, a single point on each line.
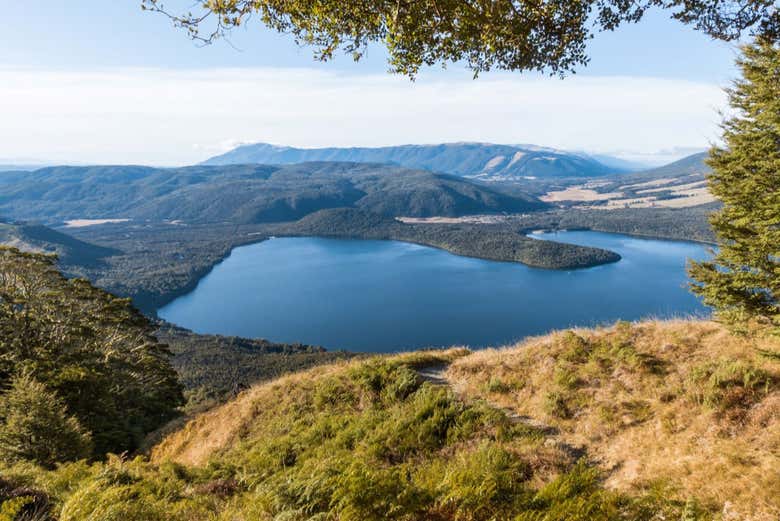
[683, 407]
[482, 160]
[214, 368]
[652, 421]
[244, 193]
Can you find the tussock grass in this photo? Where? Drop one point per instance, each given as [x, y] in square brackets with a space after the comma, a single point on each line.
[682, 403]
[213, 431]
[363, 440]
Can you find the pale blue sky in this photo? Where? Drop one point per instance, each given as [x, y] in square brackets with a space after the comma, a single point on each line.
[100, 81]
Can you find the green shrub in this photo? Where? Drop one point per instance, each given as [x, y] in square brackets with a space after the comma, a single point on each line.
[728, 384]
[576, 348]
[35, 426]
[20, 503]
[566, 377]
[499, 386]
[404, 382]
[333, 393]
[556, 405]
[486, 483]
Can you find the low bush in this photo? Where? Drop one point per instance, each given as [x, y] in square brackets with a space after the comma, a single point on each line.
[729, 387]
[35, 426]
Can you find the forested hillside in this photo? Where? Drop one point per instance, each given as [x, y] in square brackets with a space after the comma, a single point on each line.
[37, 238]
[481, 160]
[685, 224]
[75, 361]
[214, 368]
[243, 194]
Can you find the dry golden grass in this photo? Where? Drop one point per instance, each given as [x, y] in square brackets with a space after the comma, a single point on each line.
[578, 193]
[651, 403]
[680, 406]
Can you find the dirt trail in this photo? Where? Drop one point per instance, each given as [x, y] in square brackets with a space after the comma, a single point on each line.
[435, 374]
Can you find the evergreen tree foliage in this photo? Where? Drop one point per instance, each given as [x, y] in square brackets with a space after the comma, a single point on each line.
[742, 282]
[94, 350]
[35, 426]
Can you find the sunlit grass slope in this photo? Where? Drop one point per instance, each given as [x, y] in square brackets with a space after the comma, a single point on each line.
[684, 405]
[655, 421]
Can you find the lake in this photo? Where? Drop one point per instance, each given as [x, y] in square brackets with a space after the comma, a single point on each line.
[384, 295]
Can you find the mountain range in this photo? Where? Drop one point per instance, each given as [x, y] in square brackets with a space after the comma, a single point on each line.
[482, 161]
[243, 194]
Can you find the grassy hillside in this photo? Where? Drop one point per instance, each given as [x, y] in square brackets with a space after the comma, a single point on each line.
[242, 194]
[685, 171]
[681, 184]
[680, 406]
[676, 185]
[482, 160]
[655, 421]
[689, 165]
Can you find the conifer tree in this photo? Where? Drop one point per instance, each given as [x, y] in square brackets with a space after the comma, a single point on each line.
[35, 425]
[742, 282]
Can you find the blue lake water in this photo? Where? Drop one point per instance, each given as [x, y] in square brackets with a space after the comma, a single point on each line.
[386, 296]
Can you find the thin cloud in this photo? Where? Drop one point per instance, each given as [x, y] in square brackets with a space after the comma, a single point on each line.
[154, 116]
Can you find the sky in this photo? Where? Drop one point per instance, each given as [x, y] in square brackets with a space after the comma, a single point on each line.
[104, 82]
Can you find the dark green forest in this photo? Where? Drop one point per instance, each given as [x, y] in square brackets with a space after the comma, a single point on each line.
[213, 368]
[244, 194]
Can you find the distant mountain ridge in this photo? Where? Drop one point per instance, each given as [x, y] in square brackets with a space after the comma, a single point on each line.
[482, 161]
[243, 194]
[693, 164]
[686, 170]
